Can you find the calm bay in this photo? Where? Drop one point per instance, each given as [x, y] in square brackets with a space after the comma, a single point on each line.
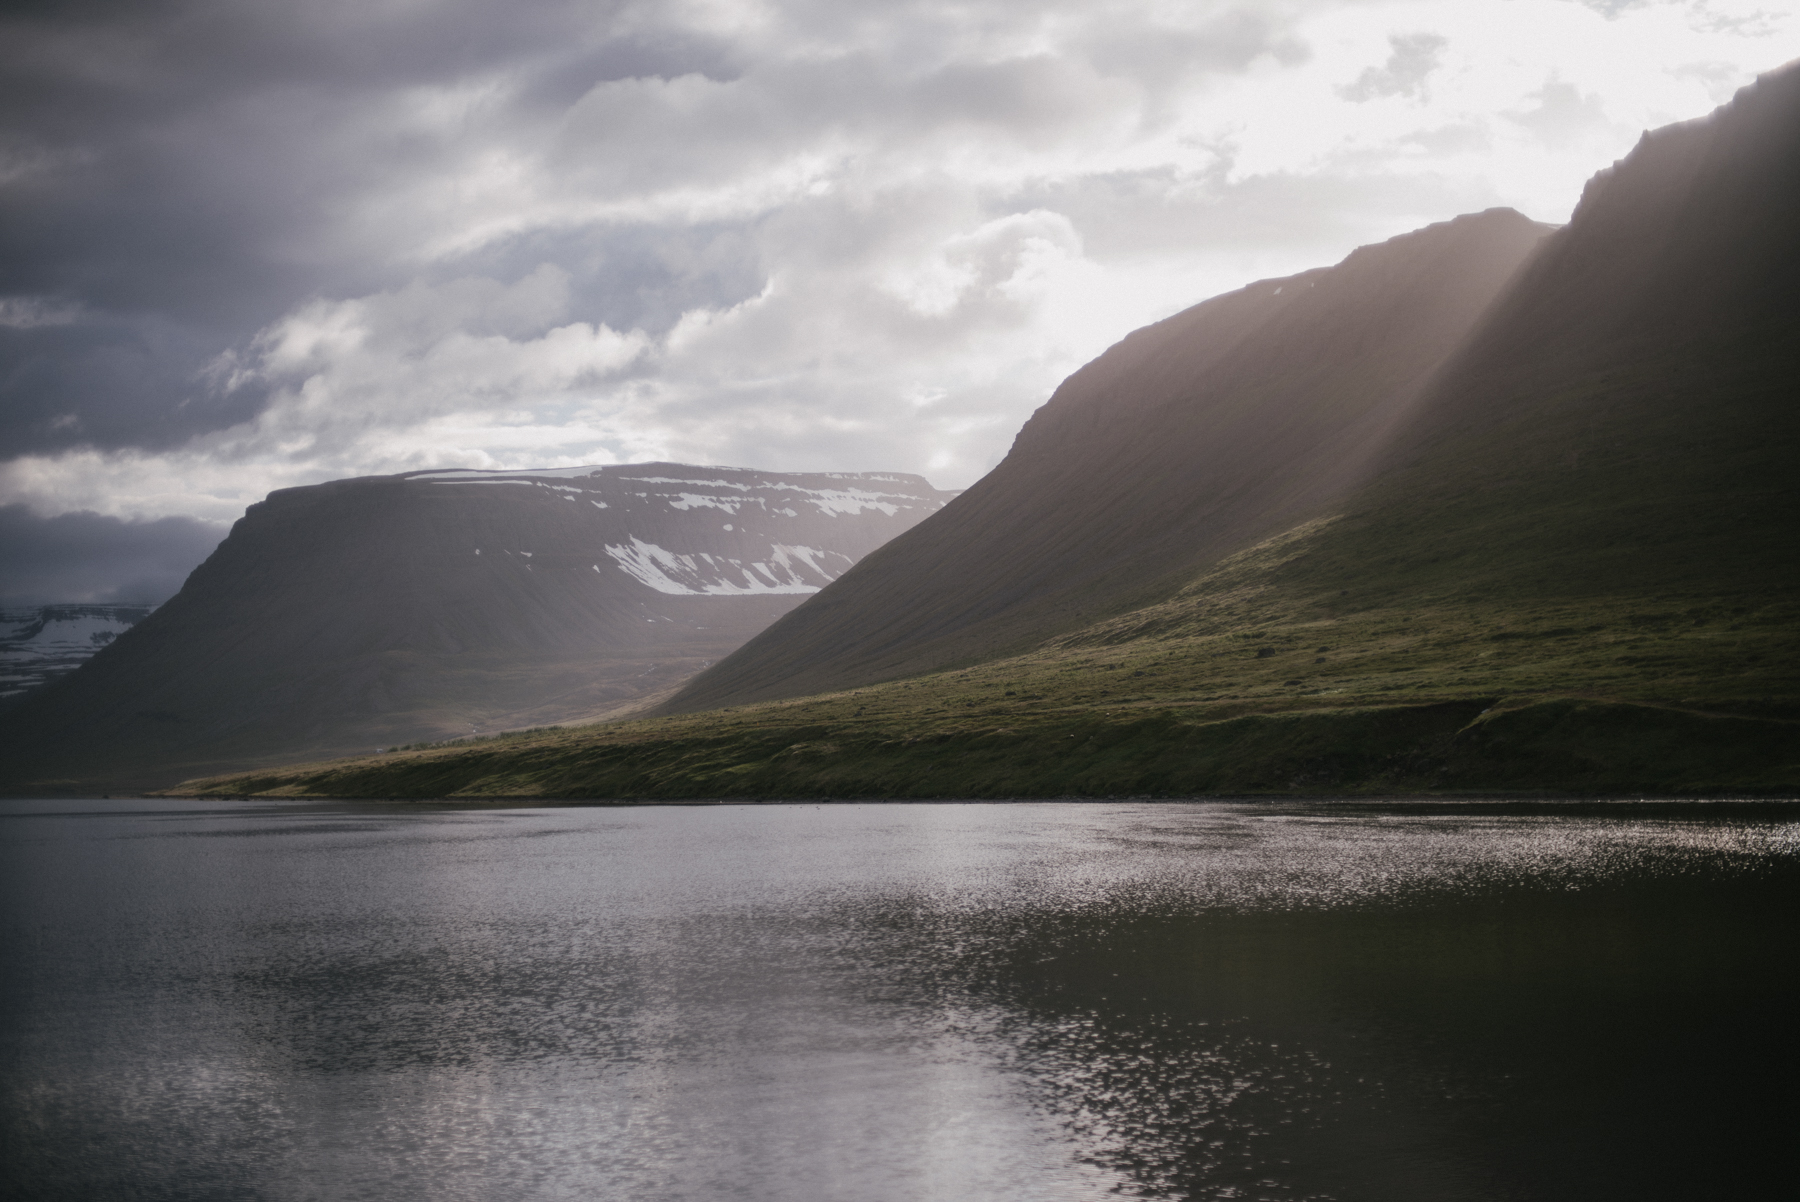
[1056, 1000]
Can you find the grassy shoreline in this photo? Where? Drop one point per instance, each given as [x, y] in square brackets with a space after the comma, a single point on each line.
[1161, 718]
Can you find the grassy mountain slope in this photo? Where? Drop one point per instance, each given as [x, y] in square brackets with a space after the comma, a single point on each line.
[1575, 568]
[1190, 437]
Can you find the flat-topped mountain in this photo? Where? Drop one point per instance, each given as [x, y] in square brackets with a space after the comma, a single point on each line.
[392, 609]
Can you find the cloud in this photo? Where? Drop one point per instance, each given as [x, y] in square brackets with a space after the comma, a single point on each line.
[183, 174]
[1720, 79]
[268, 233]
[1563, 115]
[90, 558]
[1414, 57]
[30, 312]
[257, 244]
[1613, 8]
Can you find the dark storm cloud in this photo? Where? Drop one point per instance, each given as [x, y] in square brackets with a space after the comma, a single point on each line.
[90, 558]
[175, 177]
[248, 244]
[110, 381]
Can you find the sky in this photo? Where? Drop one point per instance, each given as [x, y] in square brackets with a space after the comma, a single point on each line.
[251, 244]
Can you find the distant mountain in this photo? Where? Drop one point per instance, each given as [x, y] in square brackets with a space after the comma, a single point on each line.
[384, 610]
[1218, 426]
[39, 643]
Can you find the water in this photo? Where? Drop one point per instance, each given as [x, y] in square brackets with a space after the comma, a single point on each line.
[868, 1002]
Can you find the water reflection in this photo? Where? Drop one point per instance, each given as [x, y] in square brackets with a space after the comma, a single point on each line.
[875, 1002]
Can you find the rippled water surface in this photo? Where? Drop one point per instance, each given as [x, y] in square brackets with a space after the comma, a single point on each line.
[869, 1002]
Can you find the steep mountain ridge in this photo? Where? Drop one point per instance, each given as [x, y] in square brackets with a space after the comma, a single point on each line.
[1619, 424]
[1183, 441]
[392, 609]
[1687, 245]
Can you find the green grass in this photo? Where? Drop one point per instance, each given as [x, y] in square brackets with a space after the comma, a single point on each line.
[1233, 686]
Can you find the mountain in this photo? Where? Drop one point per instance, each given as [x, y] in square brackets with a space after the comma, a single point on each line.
[1614, 438]
[39, 643]
[1218, 426]
[1303, 540]
[1244, 415]
[392, 609]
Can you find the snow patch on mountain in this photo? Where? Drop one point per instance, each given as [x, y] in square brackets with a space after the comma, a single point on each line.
[697, 483]
[40, 643]
[785, 571]
[476, 474]
[696, 501]
[851, 501]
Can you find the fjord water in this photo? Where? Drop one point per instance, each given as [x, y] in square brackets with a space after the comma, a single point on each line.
[983, 1001]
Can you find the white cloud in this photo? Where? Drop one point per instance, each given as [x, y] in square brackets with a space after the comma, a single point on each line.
[30, 312]
[369, 376]
[1561, 115]
[1414, 57]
